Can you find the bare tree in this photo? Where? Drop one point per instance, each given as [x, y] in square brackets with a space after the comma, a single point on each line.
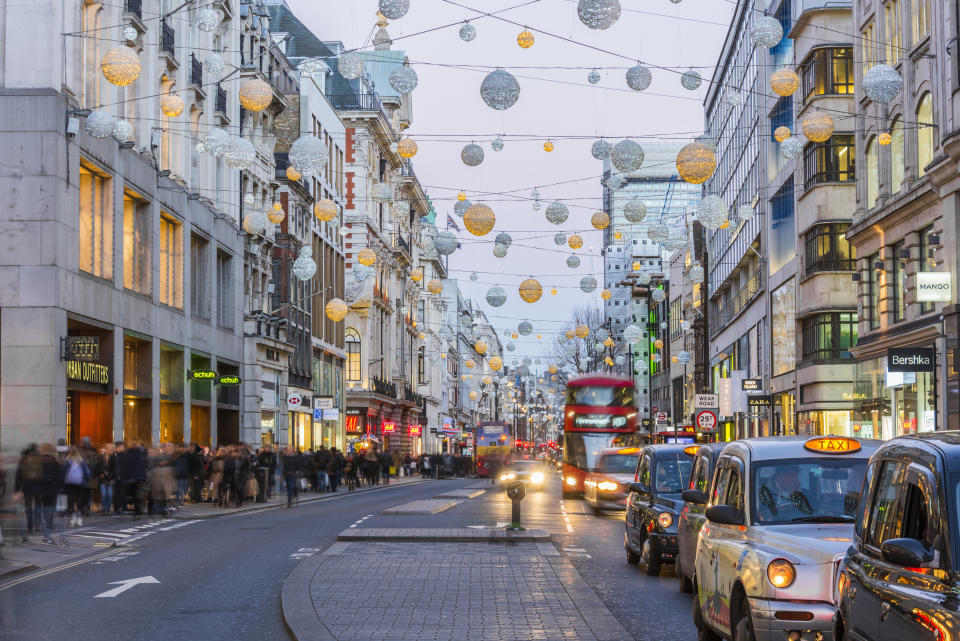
[576, 356]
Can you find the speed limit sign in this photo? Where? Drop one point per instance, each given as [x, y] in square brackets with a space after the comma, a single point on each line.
[706, 421]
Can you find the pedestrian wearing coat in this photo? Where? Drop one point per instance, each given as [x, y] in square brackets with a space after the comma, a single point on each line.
[48, 486]
[76, 475]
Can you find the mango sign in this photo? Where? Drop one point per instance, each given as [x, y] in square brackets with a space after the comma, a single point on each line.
[833, 445]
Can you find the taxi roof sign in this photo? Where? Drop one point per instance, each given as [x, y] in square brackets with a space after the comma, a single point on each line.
[691, 450]
[833, 445]
[628, 450]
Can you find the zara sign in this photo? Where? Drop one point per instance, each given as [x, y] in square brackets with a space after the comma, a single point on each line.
[934, 287]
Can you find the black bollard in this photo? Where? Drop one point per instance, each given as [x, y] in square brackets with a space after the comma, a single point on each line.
[516, 491]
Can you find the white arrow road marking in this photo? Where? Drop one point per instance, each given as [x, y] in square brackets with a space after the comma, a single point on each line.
[124, 586]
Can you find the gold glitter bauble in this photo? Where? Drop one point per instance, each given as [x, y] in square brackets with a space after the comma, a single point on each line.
[479, 219]
[818, 127]
[326, 210]
[784, 82]
[582, 331]
[600, 220]
[255, 94]
[480, 346]
[696, 162]
[575, 241]
[407, 148]
[292, 174]
[366, 256]
[336, 310]
[171, 105]
[531, 290]
[417, 275]
[435, 286]
[120, 66]
[781, 133]
[605, 294]
[548, 146]
[496, 363]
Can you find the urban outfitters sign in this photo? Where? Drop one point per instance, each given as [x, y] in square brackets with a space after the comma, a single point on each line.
[88, 372]
[910, 359]
[934, 287]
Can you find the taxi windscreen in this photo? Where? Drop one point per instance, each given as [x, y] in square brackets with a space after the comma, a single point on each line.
[808, 490]
[618, 463]
[671, 475]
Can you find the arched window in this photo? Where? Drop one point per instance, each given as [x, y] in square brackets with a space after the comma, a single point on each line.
[352, 338]
[873, 173]
[924, 133]
[896, 155]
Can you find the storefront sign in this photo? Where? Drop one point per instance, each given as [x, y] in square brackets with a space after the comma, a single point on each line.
[758, 400]
[751, 384]
[228, 379]
[331, 414]
[353, 423]
[934, 287]
[910, 359]
[202, 374]
[88, 372]
[294, 402]
[389, 427]
[416, 430]
[81, 348]
[323, 402]
[853, 396]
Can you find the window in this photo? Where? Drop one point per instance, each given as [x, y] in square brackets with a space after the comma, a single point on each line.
[829, 336]
[808, 489]
[353, 354]
[734, 494]
[899, 282]
[924, 134]
[782, 116]
[421, 367]
[96, 223]
[896, 155]
[92, 52]
[199, 277]
[784, 327]
[921, 21]
[171, 261]
[783, 243]
[926, 262]
[885, 510]
[225, 313]
[643, 472]
[136, 244]
[829, 162]
[869, 44]
[827, 71]
[891, 12]
[827, 249]
[873, 281]
[873, 173]
[700, 479]
[719, 493]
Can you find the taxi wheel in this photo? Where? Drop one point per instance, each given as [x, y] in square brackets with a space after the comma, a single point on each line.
[651, 560]
[632, 557]
[744, 629]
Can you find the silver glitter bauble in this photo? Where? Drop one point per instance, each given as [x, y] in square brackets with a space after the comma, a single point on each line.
[588, 284]
[557, 213]
[445, 242]
[599, 14]
[362, 272]
[615, 181]
[122, 130]
[683, 357]
[497, 144]
[677, 239]
[249, 200]
[638, 78]
[241, 154]
[600, 149]
[658, 232]
[690, 80]
[461, 207]
[496, 296]
[500, 251]
[712, 212]
[216, 141]
[627, 155]
[791, 148]
[256, 222]
[632, 334]
[560, 240]
[593, 77]
[474, 277]
[308, 155]
[511, 347]
[733, 98]
[882, 83]
[573, 261]
[536, 205]
[303, 267]
[525, 328]
[766, 32]
[468, 32]
[350, 66]
[499, 90]
[381, 192]
[400, 209]
[696, 274]
[394, 9]
[685, 325]
[527, 361]
[709, 141]
[745, 212]
[503, 238]
[644, 277]
[394, 147]
[635, 211]
[471, 155]
[213, 63]
[100, 123]
[208, 19]
[403, 79]
[658, 295]
[523, 371]
[130, 34]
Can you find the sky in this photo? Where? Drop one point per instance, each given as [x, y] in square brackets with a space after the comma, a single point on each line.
[556, 102]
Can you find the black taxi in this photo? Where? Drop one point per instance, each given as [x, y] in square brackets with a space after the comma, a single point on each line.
[692, 516]
[654, 504]
[901, 576]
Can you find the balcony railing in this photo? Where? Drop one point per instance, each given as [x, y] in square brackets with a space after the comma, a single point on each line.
[168, 39]
[740, 302]
[133, 6]
[383, 388]
[402, 245]
[407, 170]
[355, 102]
[221, 99]
[196, 71]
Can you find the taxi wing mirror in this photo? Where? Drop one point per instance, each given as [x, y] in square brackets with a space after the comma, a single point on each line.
[694, 496]
[639, 488]
[906, 552]
[724, 515]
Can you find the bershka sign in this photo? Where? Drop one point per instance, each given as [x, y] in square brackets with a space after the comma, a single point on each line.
[910, 359]
[934, 287]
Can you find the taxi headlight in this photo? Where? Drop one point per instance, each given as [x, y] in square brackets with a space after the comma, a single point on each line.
[507, 476]
[571, 480]
[781, 573]
[607, 486]
[536, 477]
[665, 519]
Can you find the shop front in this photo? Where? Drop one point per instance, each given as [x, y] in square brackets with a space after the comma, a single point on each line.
[202, 379]
[228, 403]
[355, 426]
[172, 381]
[896, 393]
[300, 419]
[88, 356]
[137, 388]
[828, 409]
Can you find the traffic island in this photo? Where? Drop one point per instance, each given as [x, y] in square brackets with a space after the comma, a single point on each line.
[423, 506]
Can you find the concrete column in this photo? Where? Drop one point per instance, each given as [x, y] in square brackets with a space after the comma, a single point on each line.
[155, 392]
[117, 381]
[213, 408]
[187, 389]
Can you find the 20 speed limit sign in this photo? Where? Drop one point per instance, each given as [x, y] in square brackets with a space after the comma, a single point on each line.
[706, 421]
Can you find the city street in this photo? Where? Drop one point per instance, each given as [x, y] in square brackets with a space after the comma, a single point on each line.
[226, 574]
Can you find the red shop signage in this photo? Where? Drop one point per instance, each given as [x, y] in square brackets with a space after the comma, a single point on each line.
[389, 427]
[416, 430]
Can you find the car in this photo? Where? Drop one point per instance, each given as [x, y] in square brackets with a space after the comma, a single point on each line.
[654, 503]
[606, 488]
[530, 471]
[899, 576]
[780, 516]
[692, 516]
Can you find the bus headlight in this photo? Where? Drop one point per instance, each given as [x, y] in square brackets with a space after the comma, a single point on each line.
[665, 519]
[781, 573]
[607, 486]
[571, 481]
[536, 477]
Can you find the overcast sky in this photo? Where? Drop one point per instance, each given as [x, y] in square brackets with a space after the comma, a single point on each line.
[556, 101]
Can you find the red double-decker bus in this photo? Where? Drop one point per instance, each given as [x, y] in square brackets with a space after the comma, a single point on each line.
[598, 414]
